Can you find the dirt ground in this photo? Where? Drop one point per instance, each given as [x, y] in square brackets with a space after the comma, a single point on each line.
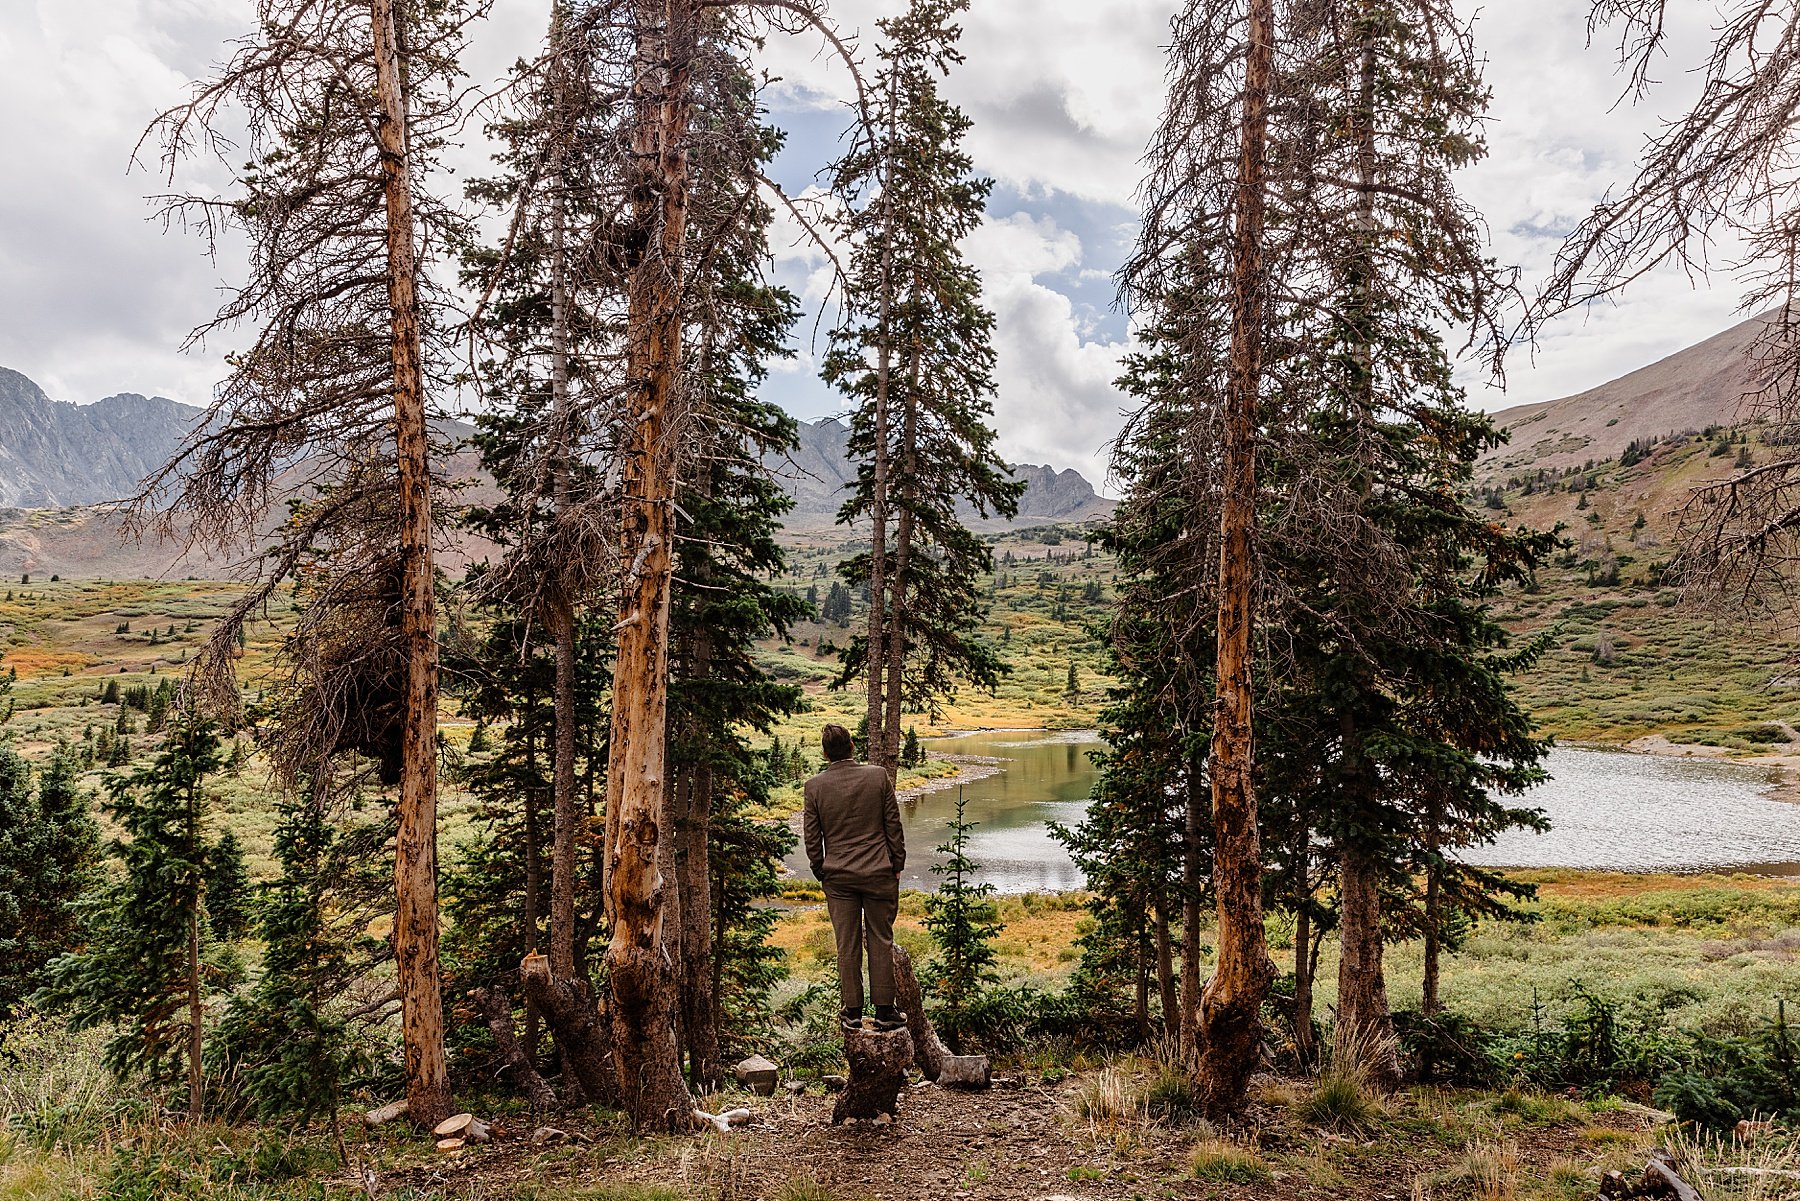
[1025, 1143]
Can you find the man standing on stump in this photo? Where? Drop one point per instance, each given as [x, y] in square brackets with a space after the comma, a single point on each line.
[857, 851]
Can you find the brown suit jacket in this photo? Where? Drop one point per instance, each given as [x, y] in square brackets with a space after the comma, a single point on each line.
[852, 822]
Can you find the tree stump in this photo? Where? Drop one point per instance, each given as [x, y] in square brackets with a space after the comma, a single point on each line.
[878, 1063]
[573, 1015]
[759, 1075]
[940, 1067]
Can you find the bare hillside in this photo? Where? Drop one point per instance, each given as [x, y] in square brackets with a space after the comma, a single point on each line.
[1690, 390]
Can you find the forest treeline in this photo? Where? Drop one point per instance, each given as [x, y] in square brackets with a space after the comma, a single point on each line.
[1315, 711]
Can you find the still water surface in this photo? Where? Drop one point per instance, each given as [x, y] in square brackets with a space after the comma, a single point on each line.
[1608, 809]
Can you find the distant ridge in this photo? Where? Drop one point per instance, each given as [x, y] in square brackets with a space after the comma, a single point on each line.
[819, 472]
[1689, 390]
[55, 455]
[58, 461]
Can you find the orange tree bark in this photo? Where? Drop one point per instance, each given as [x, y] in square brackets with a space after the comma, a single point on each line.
[1230, 1026]
[639, 899]
[415, 843]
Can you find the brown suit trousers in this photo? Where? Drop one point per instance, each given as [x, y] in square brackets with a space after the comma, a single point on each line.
[862, 915]
[857, 850]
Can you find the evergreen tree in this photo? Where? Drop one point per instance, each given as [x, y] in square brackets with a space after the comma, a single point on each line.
[911, 753]
[293, 1056]
[723, 601]
[916, 361]
[145, 968]
[963, 922]
[1296, 319]
[498, 884]
[49, 849]
[227, 889]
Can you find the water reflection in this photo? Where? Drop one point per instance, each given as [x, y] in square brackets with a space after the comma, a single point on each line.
[1047, 778]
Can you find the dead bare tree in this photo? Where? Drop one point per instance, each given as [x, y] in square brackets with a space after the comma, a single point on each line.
[345, 104]
[1718, 174]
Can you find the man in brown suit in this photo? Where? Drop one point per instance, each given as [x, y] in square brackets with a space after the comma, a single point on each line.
[857, 851]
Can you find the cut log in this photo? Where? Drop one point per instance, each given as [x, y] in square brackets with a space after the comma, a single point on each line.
[573, 1015]
[450, 1144]
[544, 1136]
[879, 1060]
[935, 1060]
[758, 1075]
[1661, 1180]
[496, 1009]
[465, 1126]
[384, 1115]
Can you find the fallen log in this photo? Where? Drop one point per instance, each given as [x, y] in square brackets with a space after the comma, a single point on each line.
[496, 1009]
[1660, 1179]
[879, 1060]
[384, 1115]
[935, 1060]
[571, 1011]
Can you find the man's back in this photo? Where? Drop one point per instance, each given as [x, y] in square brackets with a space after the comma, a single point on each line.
[852, 822]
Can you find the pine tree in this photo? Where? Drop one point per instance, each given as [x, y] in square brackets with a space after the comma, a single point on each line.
[227, 889]
[49, 849]
[963, 922]
[340, 112]
[293, 1055]
[145, 968]
[911, 753]
[916, 361]
[724, 602]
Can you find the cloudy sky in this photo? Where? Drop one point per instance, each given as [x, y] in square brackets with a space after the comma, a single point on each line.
[95, 298]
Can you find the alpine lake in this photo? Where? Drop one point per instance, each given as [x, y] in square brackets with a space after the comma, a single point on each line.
[1609, 809]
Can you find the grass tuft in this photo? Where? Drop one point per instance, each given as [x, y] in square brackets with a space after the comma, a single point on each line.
[1219, 1161]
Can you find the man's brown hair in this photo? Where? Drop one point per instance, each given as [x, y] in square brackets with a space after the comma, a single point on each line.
[837, 743]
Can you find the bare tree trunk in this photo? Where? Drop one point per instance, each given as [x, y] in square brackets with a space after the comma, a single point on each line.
[415, 842]
[1434, 906]
[1303, 983]
[639, 897]
[1190, 919]
[1141, 1006]
[1230, 1025]
[534, 878]
[196, 1011]
[496, 1009]
[1365, 1025]
[897, 616]
[1165, 974]
[562, 613]
[699, 1009]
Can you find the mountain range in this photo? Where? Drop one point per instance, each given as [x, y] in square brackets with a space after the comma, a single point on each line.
[58, 459]
[55, 455]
